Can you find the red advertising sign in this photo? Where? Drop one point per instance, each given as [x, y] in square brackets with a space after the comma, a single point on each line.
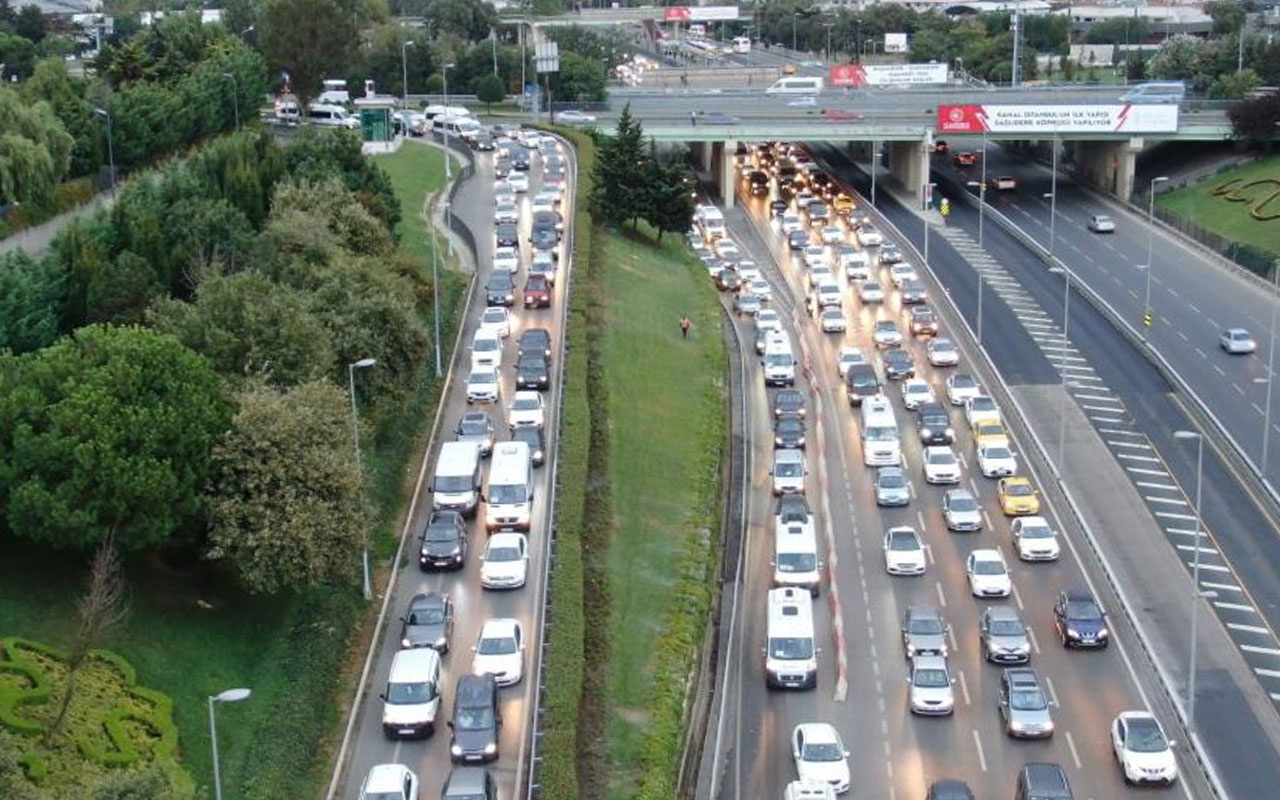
[846, 76]
[676, 14]
[960, 119]
[1098, 118]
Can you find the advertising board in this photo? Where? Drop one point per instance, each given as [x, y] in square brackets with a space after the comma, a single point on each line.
[699, 13]
[860, 75]
[1101, 118]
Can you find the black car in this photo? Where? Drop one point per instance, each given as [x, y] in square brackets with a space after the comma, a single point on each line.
[913, 293]
[469, 783]
[427, 622]
[507, 234]
[533, 437]
[444, 542]
[818, 212]
[548, 219]
[483, 142]
[475, 720]
[898, 364]
[934, 424]
[501, 169]
[949, 789]
[758, 182]
[475, 426]
[861, 382]
[793, 509]
[546, 239]
[535, 340]
[520, 159]
[727, 279]
[822, 183]
[798, 240]
[789, 432]
[1080, 621]
[778, 207]
[500, 290]
[532, 372]
[788, 403]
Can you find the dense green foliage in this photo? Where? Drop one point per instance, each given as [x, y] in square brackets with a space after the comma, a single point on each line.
[633, 184]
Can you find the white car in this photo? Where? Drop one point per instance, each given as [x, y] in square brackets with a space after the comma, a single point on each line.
[987, 573]
[767, 319]
[832, 321]
[496, 321]
[518, 181]
[541, 202]
[980, 408]
[499, 651]
[486, 350]
[544, 263]
[903, 552]
[505, 563]
[791, 222]
[505, 212]
[829, 295]
[887, 334]
[870, 292]
[941, 465]
[960, 387]
[1144, 753]
[815, 255]
[997, 461]
[389, 782]
[868, 236]
[1035, 539]
[482, 385]
[502, 193]
[960, 511]
[819, 274]
[901, 273]
[761, 288]
[1101, 223]
[854, 263]
[916, 391]
[726, 248]
[942, 353]
[749, 272]
[574, 117]
[848, 357]
[930, 683]
[506, 259]
[820, 755]
[1237, 341]
[832, 234]
[527, 410]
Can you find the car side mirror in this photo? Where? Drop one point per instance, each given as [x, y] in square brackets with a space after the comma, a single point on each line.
[1172, 743]
[382, 696]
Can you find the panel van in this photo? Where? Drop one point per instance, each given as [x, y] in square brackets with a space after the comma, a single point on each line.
[881, 446]
[509, 500]
[795, 556]
[331, 116]
[455, 484]
[791, 654]
[795, 85]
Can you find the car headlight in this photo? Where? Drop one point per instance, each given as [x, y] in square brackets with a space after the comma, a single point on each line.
[490, 748]
[1072, 633]
[510, 297]
[951, 432]
[926, 433]
[405, 644]
[456, 750]
[777, 440]
[1102, 634]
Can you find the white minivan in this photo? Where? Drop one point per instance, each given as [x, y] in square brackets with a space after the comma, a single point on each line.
[455, 484]
[795, 556]
[791, 653]
[412, 697]
[795, 85]
[779, 363]
[881, 446]
[509, 501]
[331, 116]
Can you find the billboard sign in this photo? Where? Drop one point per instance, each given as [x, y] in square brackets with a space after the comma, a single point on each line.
[858, 75]
[675, 14]
[1102, 118]
[895, 43]
[699, 13]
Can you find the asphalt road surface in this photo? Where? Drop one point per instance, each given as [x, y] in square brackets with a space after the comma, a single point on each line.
[429, 758]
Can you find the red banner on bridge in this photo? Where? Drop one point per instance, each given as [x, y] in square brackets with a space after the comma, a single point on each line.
[676, 14]
[1100, 118]
[847, 76]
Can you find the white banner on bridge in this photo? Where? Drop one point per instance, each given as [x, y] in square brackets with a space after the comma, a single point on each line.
[1113, 118]
[905, 74]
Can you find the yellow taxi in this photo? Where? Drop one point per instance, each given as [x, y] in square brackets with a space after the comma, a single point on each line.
[788, 69]
[843, 204]
[988, 432]
[1018, 498]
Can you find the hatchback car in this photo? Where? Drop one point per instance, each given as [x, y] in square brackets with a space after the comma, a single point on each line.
[942, 353]
[506, 259]
[483, 386]
[1018, 498]
[537, 292]
[534, 438]
[746, 304]
[1002, 636]
[444, 542]
[1144, 753]
[960, 511]
[892, 487]
[1237, 341]
[960, 387]
[988, 576]
[930, 685]
[532, 372]
[788, 471]
[898, 364]
[389, 782]
[940, 465]
[1079, 620]
[870, 292]
[889, 254]
[499, 651]
[798, 239]
[789, 432]
[1035, 539]
[475, 426]
[886, 333]
[506, 234]
[788, 403]
[427, 622]
[499, 290]
[924, 632]
[903, 552]
[496, 321]
[505, 561]
[997, 461]
[476, 718]
[933, 423]
[832, 321]
[819, 755]
[535, 340]
[1101, 223]
[913, 293]
[1024, 705]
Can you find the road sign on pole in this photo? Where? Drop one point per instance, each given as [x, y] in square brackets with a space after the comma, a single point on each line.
[546, 56]
[1147, 319]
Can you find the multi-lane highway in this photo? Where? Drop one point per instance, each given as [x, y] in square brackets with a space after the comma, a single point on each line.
[862, 687]
[472, 605]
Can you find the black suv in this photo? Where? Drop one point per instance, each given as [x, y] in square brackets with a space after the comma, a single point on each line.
[788, 403]
[861, 382]
[535, 341]
[532, 372]
[444, 542]
[934, 424]
[475, 720]
[500, 290]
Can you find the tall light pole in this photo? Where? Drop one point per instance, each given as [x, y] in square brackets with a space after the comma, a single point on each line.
[1270, 379]
[982, 202]
[1151, 227]
[235, 95]
[404, 73]
[1244, 22]
[875, 162]
[1062, 370]
[355, 432]
[435, 296]
[448, 169]
[1015, 73]
[111, 152]
[1195, 580]
[1052, 196]
[229, 696]
[828, 25]
[793, 33]
[925, 217]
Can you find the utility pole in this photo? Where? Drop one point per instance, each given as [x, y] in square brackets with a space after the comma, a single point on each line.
[1015, 76]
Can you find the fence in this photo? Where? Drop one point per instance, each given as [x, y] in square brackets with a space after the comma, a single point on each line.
[468, 169]
[1255, 259]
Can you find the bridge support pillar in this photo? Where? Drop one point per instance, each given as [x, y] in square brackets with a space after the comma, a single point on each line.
[909, 164]
[701, 154]
[1108, 166]
[723, 170]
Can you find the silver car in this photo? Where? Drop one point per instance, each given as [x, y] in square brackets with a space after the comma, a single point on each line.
[961, 511]
[924, 632]
[930, 681]
[892, 487]
[1003, 636]
[1024, 706]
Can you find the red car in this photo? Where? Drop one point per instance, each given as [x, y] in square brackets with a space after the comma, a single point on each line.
[537, 292]
[965, 159]
[940, 146]
[840, 115]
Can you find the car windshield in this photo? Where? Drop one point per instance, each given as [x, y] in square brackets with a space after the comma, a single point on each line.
[885, 327]
[1145, 737]
[789, 469]
[1083, 609]
[943, 458]
[931, 678]
[525, 404]
[903, 542]
[495, 315]
[427, 616]
[473, 719]
[963, 503]
[790, 648]
[1027, 700]
[891, 480]
[823, 751]
[496, 646]
[508, 493]
[441, 532]
[941, 345]
[797, 562]
[925, 626]
[962, 382]
[483, 376]
[777, 359]
[474, 427]
[984, 566]
[411, 693]
[1006, 627]
[499, 281]
[1018, 490]
[983, 404]
[870, 286]
[486, 345]
[832, 313]
[881, 434]
[532, 364]
[453, 483]
[997, 452]
[1037, 532]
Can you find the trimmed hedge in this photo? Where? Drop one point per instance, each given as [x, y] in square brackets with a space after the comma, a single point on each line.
[564, 663]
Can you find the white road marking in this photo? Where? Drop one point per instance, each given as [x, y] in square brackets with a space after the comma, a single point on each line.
[1142, 471]
[1053, 693]
[1136, 445]
[1210, 567]
[1119, 432]
[1235, 606]
[942, 598]
[1267, 673]
[1097, 418]
[977, 741]
[1149, 485]
[1227, 587]
[1190, 548]
[1171, 515]
[1017, 598]
[1071, 745]
[1173, 501]
[1128, 457]
[964, 688]
[1266, 651]
[1035, 644]
[1239, 626]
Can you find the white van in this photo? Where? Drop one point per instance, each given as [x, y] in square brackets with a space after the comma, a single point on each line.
[881, 446]
[795, 556]
[334, 92]
[331, 116]
[778, 363]
[509, 501]
[455, 485]
[412, 697]
[713, 224]
[741, 44]
[795, 85]
[437, 110]
[790, 654]
[465, 128]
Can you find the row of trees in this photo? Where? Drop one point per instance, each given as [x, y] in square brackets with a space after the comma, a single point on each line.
[633, 182]
[176, 366]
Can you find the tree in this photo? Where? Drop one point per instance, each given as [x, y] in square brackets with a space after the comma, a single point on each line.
[50, 81]
[1118, 30]
[468, 20]
[309, 39]
[1176, 59]
[1256, 120]
[18, 54]
[1233, 85]
[357, 230]
[30, 24]
[287, 507]
[107, 434]
[32, 293]
[579, 79]
[619, 178]
[101, 610]
[490, 89]
[316, 155]
[35, 150]
[1228, 15]
[670, 194]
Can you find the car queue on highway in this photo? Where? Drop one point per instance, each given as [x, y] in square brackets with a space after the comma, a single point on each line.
[839, 319]
[447, 703]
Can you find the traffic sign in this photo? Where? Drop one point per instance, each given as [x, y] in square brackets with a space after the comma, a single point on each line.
[1147, 319]
[944, 207]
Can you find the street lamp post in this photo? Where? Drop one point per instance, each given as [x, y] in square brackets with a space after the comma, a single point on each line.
[1195, 580]
[1052, 196]
[235, 95]
[793, 33]
[355, 432]
[1062, 370]
[111, 152]
[982, 201]
[875, 162]
[448, 170]
[828, 25]
[404, 73]
[1151, 226]
[1271, 356]
[229, 696]
[925, 217]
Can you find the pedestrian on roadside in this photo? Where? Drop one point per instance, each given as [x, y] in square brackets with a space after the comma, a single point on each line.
[685, 325]
[693, 118]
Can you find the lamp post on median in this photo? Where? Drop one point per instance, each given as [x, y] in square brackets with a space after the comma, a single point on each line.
[982, 202]
[229, 696]
[1062, 370]
[404, 75]
[111, 152]
[1195, 580]
[355, 432]
[1151, 226]
[1052, 196]
[828, 25]
[235, 96]
[929, 190]
[1271, 356]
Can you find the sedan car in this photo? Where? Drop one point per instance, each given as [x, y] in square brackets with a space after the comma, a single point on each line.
[427, 622]
[892, 487]
[1237, 341]
[942, 353]
[759, 287]
[832, 321]
[889, 254]
[870, 292]
[901, 273]
[789, 432]
[820, 756]
[916, 392]
[506, 234]
[930, 685]
[1035, 539]
[960, 511]
[506, 259]
[933, 423]
[1002, 635]
[924, 632]
[483, 385]
[965, 158]
[1144, 753]
[746, 304]
[534, 438]
[987, 432]
[1018, 498]
[537, 292]
[848, 357]
[886, 333]
[868, 236]
[475, 426]
[788, 403]
[506, 214]
[941, 465]
[960, 387]
[903, 552]
[913, 293]
[987, 573]
[997, 461]
[389, 782]
[527, 410]
[532, 372]
[832, 234]
[1079, 620]
[980, 408]
[1101, 223]
[898, 365]
[496, 321]
[797, 239]
[499, 290]
[518, 181]
[1024, 705]
[443, 542]
[505, 561]
[923, 321]
[574, 117]
[499, 651]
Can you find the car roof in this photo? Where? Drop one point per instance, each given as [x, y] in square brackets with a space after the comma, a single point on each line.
[986, 554]
[473, 690]
[928, 662]
[425, 600]
[1002, 612]
[818, 731]
[385, 778]
[466, 781]
[924, 612]
[1078, 596]
[500, 626]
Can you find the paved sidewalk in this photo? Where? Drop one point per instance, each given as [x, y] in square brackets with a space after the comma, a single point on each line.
[35, 240]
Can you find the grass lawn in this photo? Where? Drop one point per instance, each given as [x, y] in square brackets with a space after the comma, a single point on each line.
[416, 170]
[1196, 203]
[657, 389]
